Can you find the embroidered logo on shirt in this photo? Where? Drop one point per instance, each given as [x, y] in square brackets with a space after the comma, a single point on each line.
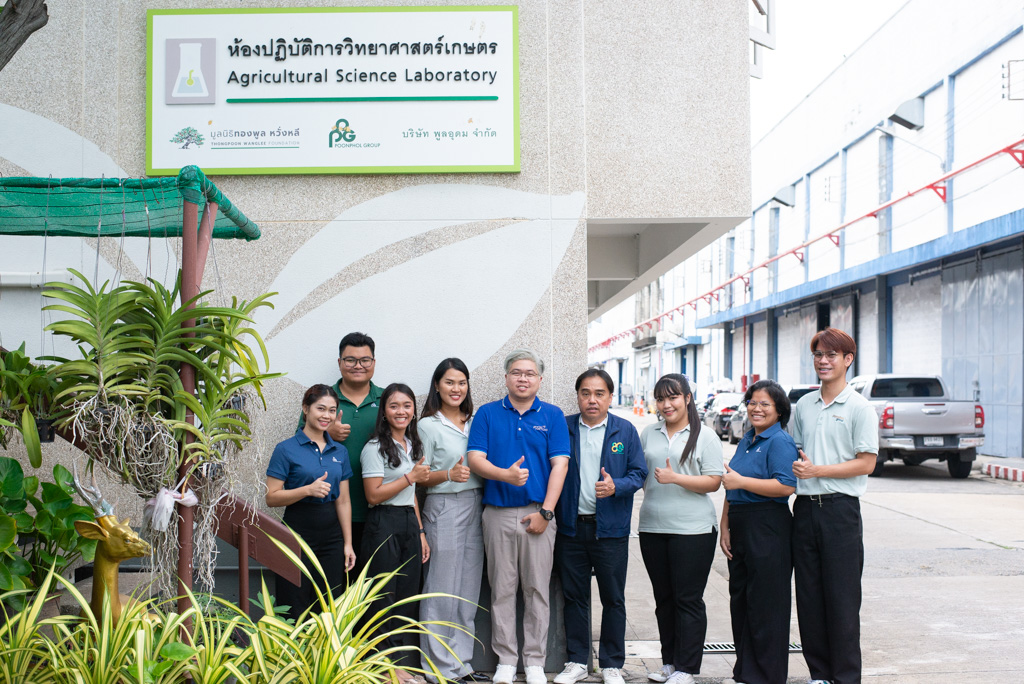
[618, 448]
[335, 459]
[541, 428]
[373, 405]
[839, 419]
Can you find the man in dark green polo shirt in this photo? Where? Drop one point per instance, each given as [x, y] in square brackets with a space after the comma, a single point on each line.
[357, 417]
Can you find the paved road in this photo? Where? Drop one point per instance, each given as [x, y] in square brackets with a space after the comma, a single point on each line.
[943, 584]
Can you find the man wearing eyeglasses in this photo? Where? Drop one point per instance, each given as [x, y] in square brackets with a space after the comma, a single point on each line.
[837, 431]
[520, 445]
[357, 417]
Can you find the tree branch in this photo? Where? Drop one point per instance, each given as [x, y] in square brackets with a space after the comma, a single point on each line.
[19, 19]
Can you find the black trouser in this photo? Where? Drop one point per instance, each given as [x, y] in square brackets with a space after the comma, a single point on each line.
[392, 537]
[759, 590]
[678, 565]
[357, 546]
[317, 524]
[828, 559]
[607, 557]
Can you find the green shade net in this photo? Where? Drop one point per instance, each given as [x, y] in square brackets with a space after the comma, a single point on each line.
[130, 207]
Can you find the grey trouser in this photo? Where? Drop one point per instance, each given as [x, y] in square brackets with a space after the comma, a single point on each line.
[452, 524]
[516, 557]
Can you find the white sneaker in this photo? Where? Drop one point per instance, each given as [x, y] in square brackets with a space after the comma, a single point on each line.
[573, 672]
[663, 674]
[612, 675]
[818, 681]
[535, 675]
[505, 674]
[681, 678]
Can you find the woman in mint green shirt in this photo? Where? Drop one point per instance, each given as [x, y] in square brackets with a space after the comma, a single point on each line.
[678, 525]
[451, 517]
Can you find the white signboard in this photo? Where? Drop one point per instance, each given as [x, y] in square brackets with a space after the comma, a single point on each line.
[333, 90]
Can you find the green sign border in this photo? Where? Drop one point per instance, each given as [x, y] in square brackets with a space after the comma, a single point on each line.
[510, 168]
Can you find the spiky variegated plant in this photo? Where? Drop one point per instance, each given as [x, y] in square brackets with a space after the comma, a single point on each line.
[126, 403]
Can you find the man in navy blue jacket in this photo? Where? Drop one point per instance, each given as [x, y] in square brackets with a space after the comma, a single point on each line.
[606, 466]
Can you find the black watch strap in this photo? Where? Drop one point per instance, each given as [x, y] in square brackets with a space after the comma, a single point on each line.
[548, 515]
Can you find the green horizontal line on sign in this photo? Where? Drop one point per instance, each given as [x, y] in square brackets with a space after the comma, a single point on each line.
[238, 147]
[425, 98]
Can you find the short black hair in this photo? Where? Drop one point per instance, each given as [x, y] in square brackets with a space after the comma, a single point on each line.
[356, 339]
[595, 373]
[778, 395]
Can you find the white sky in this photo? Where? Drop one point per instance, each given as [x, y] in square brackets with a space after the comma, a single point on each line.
[813, 38]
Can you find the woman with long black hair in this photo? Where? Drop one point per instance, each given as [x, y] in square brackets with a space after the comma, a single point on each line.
[308, 474]
[392, 464]
[678, 525]
[452, 514]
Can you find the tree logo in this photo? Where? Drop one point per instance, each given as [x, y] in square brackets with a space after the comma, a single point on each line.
[188, 136]
[340, 131]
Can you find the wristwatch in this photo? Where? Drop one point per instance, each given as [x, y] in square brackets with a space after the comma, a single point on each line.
[548, 515]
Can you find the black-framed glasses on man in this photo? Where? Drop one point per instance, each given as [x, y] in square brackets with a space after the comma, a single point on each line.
[352, 362]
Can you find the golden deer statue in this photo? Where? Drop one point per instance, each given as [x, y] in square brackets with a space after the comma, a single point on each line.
[116, 542]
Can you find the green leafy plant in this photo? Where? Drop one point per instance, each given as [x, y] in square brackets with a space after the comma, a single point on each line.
[337, 641]
[26, 396]
[34, 541]
[124, 400]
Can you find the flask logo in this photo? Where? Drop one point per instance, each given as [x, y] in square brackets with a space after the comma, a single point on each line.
[190, 70]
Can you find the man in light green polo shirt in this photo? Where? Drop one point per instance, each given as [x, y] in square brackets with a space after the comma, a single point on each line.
[357, 418]
[837, 431]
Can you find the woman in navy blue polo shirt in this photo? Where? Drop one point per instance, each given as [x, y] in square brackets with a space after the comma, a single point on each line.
[756, 530]
[308, 474]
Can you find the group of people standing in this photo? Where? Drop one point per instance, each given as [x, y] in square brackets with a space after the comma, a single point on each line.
[519, 486]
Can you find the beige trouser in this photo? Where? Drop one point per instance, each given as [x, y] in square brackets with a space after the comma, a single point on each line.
[516, 557]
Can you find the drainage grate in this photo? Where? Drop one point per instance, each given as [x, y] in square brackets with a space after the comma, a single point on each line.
[720, 647]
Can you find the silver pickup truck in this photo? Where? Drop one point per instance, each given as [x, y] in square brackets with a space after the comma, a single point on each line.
[918, 421]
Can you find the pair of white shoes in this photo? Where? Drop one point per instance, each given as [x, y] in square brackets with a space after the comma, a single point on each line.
[669, 675]
[576, 672]
[506, 674]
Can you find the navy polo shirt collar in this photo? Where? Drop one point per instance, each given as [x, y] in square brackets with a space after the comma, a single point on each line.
[767, 434]
[507, 403]
[302, 438]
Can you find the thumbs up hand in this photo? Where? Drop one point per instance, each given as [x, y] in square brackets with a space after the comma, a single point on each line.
[732, 479]
[665, 475]
[459, 472]
[320, 487]
[517, 475]
[605, 486]
[803, 468]
[420, 471]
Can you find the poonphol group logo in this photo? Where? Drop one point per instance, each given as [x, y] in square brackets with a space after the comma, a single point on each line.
[341, 131]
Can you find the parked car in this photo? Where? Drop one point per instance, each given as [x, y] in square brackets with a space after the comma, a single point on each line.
[918, 421]
[703, 407]
[718, 414]
[738, 424]
[794, 392]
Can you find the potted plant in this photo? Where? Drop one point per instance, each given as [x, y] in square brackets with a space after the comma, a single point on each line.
[124, 400]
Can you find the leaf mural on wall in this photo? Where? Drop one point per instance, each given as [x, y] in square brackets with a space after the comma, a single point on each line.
[463, 298]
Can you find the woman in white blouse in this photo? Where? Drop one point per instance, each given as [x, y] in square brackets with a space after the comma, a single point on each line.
[451, 518]
[679, 526]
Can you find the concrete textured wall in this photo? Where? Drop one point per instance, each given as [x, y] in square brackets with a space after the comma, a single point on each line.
[638, 115]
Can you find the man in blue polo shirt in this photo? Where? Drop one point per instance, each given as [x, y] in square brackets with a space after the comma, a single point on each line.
[520, 445]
